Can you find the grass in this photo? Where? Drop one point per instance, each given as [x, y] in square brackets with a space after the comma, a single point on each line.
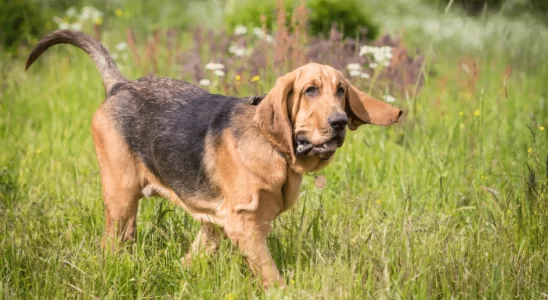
[451, 202]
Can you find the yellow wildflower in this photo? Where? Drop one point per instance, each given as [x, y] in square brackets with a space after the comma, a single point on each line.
[98, 21]
[119, 12]
[530, 150]
[38, 151]
[238, 78]
[477, 112]
[461, 114]
[541, 128]
[379, 201]
[255, 78]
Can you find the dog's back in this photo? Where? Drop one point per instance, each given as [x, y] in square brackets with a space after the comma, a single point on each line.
[228, 163]
[164, 122]
[167, 122]
[162, 136]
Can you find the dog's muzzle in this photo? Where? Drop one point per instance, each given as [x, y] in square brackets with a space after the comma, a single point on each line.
[324, 151]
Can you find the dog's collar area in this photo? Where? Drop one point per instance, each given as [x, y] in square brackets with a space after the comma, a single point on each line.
[255, 100]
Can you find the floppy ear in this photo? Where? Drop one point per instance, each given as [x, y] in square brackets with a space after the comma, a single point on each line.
[272, 116]
[364, 109]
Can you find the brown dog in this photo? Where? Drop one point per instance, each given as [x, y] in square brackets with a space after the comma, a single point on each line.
[233, 166]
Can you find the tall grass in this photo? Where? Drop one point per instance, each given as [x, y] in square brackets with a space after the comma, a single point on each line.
[450, 202]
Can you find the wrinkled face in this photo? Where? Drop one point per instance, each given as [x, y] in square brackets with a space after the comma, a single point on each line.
[306, 113]
[317, 110]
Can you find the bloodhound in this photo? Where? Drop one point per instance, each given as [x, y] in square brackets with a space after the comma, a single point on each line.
[233, 166]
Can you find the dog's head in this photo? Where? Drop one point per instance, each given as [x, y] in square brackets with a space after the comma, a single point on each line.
[308, 110]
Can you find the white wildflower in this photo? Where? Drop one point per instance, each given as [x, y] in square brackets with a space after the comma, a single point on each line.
[366, 50]
[388, 52]
[85, 14]
[378, 55]
[121, 47]
[57, 20]
[204, 82]
[60, 22]
[214, 66]
[258, 32]
[71, 12]
[269, 39]
[353, 66]
[219, 73]
[240, 29]
[365, 75]
[238, 50]
[389, 98]
[90, 13]
[355, 73]
[76, 26]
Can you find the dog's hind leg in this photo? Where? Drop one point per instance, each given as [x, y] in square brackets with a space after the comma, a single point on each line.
[121, 183]
[206, 242]
[121, 203]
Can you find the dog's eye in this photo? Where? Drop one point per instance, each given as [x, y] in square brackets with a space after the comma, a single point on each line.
[311, 90]
[340, 91]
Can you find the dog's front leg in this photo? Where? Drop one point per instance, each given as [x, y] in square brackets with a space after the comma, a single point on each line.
[249, 230]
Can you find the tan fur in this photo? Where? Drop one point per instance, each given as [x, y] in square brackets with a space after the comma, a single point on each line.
[287, 111]
[252, 170]
[119, 177]
[257, 174]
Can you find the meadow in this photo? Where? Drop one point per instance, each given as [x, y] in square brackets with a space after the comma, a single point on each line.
[451, 202]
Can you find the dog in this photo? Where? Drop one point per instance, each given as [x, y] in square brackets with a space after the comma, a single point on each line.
[233, 164]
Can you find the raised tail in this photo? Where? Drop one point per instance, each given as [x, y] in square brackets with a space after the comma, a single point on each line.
[109, 72]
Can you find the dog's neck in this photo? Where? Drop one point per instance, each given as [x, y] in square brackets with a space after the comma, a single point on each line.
[303, 163]
[299, 164]
[306, 164]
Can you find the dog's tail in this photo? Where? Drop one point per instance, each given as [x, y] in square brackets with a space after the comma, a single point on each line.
[109, 72]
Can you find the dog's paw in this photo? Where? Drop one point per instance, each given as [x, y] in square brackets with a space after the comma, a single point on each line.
[190, 258]
[186, 261]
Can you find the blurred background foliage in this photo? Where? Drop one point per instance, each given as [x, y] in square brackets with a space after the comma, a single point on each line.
[509, 7]
[22, 21]
[449, 202]
[349, 17]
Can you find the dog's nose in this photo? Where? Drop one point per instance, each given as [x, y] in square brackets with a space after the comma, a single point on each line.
[337, 121]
